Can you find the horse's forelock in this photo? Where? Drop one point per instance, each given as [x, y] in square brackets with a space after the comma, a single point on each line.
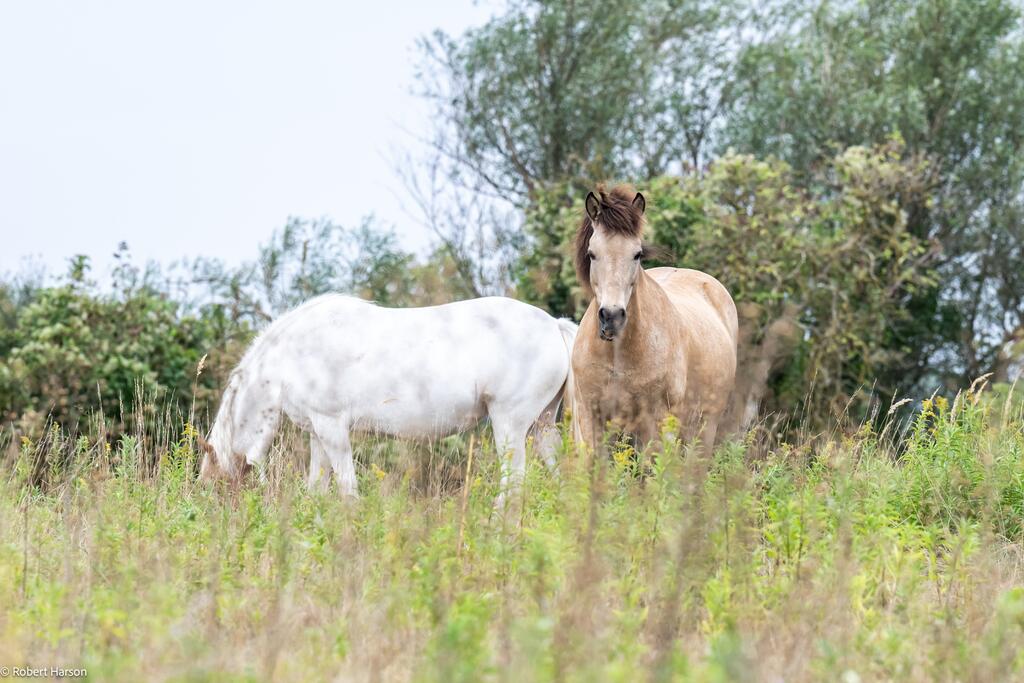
[618, 215]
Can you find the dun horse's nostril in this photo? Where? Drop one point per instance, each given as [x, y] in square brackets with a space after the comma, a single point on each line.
[608, 316]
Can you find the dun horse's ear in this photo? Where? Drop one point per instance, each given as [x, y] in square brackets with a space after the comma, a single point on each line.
[593, 206]
[639, 203]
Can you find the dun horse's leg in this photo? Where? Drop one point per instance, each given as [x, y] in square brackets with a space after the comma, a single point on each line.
[647, 435]
[318, 464]
[333, 435]
[708, 436]
[587, 432]
[700, 427]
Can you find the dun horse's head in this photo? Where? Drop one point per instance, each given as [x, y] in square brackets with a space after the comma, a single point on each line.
[609, 250]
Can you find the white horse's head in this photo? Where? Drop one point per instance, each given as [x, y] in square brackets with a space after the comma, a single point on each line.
[212, 466]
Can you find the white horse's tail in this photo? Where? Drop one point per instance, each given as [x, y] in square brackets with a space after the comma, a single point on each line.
[568, 329]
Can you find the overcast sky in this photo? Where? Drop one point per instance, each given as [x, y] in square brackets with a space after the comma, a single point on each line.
[189, 128]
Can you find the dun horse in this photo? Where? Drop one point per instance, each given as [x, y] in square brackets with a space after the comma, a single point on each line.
[653, 342]
[337, 365]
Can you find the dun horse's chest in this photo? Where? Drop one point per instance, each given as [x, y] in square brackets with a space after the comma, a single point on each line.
[629, 389]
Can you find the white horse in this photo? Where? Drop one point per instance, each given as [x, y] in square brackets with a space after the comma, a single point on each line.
[337, 365]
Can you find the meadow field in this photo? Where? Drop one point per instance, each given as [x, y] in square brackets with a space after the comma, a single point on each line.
[850, 556]
[177, 177]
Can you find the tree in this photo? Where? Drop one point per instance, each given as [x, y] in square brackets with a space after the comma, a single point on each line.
[947, 76]
[555, 91]
[304, 259]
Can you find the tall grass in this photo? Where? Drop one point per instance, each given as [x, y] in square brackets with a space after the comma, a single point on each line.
[856, 557]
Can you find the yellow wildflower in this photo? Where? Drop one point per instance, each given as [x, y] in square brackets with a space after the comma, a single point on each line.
[622, 457]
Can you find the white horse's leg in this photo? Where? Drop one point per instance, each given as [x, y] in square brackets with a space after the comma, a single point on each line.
[546, 442]
[510, 444]
[546, 435]
[318, 464]
[332, 432]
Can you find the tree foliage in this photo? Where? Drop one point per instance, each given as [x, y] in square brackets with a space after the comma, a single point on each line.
[554, 91]
[947, 76]
[307, 258]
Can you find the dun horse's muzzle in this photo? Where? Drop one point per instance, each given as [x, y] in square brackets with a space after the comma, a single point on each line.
[611, 320]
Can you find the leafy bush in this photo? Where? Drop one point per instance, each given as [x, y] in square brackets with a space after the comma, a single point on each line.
[74, 349]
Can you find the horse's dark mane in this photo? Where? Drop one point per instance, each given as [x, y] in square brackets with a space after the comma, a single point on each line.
[618, 214]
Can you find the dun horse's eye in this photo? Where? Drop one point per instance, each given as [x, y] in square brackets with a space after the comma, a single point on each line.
[639, 255]
[590, 255]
